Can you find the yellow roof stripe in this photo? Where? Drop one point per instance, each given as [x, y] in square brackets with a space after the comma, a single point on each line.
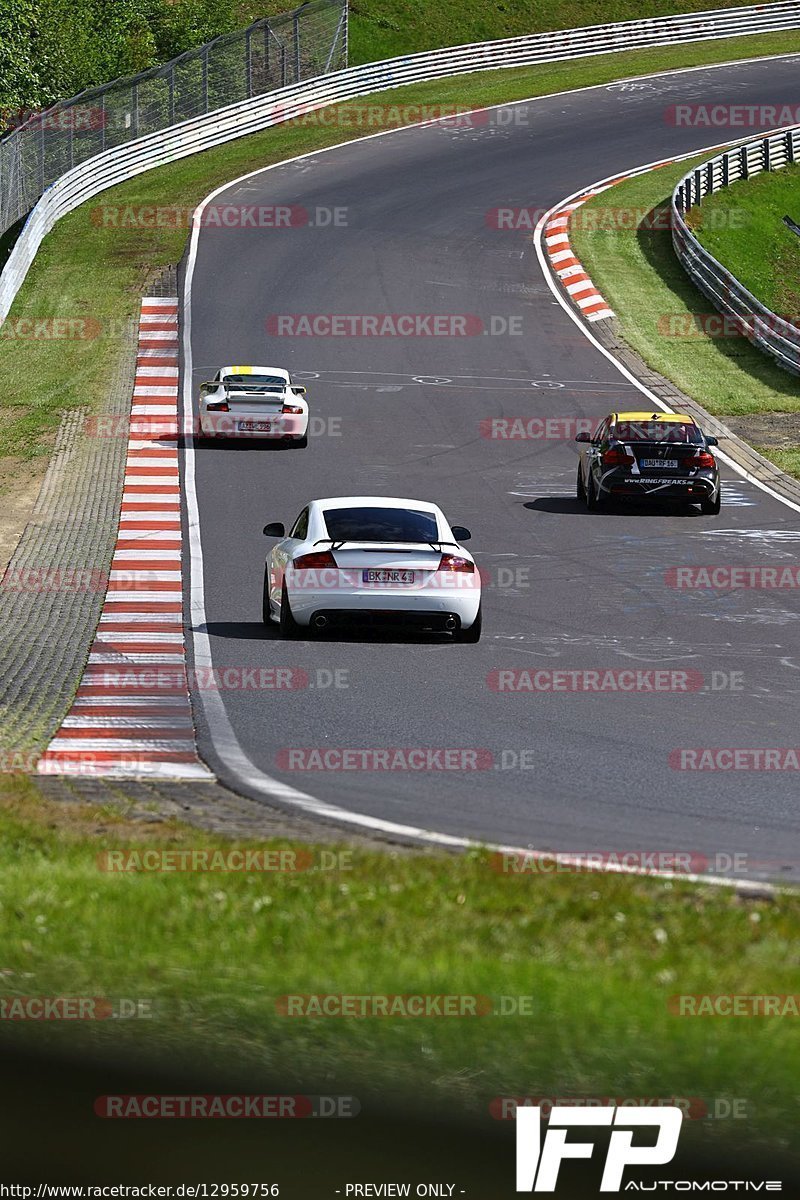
[240, 370]
[651, 416]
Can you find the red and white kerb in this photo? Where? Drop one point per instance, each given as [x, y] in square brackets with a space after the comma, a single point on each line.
[131, 715]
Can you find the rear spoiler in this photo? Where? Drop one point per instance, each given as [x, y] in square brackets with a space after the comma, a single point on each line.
[259, 389]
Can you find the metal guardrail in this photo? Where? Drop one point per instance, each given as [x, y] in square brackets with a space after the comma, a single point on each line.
[773, 334]
[118, 163]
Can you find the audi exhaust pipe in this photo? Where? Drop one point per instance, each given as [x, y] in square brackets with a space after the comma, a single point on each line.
[320, 622]
[451, 624]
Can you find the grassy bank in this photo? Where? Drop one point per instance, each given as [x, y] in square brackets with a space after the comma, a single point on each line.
[383, 28]
[598, 958]
[742, 226]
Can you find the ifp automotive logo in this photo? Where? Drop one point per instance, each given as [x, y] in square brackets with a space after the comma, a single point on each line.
[538, 1163]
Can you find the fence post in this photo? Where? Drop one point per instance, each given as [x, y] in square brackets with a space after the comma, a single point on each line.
[296, 23]
[205, 78]
[726, 170]
[171, 78]
[135, 110]
[248, 49]
[766, 149]
[744, 167]
[103, 121]
[41, 153]
[788, 138]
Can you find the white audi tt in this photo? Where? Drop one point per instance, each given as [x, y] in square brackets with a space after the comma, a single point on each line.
[253, 402]
[370, 560]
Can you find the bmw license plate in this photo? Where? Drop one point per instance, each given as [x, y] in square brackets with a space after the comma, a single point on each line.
[665, 464]
[254, 426]
[386, 575]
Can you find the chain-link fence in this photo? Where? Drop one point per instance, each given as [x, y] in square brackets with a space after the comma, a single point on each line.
[271, 53]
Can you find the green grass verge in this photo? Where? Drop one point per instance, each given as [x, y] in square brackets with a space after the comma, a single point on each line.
[661, 313]
[384, 28]
[787, 460]
[83, 270]
[599, 956]
[742, 226]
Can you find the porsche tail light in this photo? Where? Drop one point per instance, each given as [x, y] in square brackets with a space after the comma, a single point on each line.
[703, 459]
[616, 457]
[317, 560]
[217, 406]
[292, 408]
[454, 562]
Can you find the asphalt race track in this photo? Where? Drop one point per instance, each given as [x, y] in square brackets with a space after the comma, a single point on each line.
[569, 590]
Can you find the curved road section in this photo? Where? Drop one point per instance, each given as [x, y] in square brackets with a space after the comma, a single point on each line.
[405, 224]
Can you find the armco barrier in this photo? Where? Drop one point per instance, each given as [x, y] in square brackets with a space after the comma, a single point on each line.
[773, 334]
[114, 165]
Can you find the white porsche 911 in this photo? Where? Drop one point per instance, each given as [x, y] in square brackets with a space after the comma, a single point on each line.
[369, 560]
[253, 402]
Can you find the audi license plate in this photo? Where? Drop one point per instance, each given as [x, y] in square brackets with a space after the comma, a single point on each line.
[254, 426]
[386, 575]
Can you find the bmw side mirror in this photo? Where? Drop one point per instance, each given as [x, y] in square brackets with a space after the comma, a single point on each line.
[582, 437]
[274, 529]
[712, 441]
[461, 533]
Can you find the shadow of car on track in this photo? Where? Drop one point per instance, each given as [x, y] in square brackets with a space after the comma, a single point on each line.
[249, 443]
[571, 505]
[389, 635]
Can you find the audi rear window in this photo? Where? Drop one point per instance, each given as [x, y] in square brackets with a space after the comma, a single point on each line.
[684, 433]
[380, 525]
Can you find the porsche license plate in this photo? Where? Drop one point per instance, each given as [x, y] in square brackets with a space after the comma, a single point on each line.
[386, 575]
[254, 426]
